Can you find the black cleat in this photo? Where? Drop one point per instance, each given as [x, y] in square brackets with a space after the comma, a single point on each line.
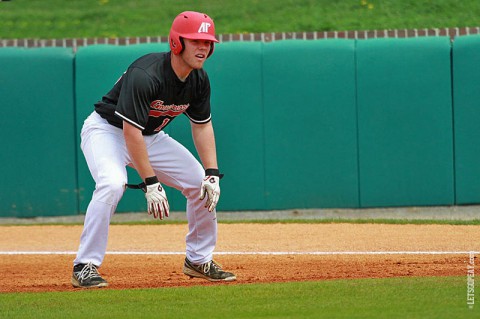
[209, 271]
[87, 276]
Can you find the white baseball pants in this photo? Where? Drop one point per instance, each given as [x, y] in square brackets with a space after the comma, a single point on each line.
[107, 157]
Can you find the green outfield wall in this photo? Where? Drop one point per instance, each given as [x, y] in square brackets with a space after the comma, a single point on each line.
[310, 128]
[37, 131]
[330, 123]
[405, 124]
[466, 97]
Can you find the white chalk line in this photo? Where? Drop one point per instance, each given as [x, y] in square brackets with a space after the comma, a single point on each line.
[321, 253]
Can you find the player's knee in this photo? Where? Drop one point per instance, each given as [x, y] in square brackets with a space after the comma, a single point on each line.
[110, 190]
[192, 188]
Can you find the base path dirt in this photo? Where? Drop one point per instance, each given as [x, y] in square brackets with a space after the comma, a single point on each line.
[39, 258]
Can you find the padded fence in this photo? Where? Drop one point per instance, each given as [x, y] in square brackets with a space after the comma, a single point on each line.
[299, 124]
[405, 122]
[466, 75]
[37, 132]
[310, 124]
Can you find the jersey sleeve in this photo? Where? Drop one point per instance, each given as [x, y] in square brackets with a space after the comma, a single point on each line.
[135, 95]
[199, 111]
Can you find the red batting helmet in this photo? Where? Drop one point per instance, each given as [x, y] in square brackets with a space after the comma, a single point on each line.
[191, 25]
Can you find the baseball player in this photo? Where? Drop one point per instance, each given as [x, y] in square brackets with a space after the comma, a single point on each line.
[126, 128]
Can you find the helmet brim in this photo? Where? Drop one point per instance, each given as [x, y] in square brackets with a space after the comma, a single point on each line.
[199, 36]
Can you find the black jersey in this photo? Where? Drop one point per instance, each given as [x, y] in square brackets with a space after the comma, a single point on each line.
[149, 95]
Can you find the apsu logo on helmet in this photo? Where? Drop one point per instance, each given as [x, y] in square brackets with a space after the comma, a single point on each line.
[204, 27]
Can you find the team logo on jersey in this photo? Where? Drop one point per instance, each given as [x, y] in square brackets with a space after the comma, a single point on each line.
[204, 27]
[160, 109]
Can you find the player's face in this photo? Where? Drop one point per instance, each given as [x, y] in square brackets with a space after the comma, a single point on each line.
[195, 52]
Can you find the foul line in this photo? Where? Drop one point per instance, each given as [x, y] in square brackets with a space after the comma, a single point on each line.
[251, 253]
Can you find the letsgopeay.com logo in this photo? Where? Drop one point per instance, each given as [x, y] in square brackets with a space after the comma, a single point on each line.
[471, 280]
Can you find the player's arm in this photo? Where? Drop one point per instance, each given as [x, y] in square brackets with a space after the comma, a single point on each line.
[138, 150]
[204, 139]
[154, 192]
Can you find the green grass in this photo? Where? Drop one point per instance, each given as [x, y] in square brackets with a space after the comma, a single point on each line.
[120, 18]
[432, 297]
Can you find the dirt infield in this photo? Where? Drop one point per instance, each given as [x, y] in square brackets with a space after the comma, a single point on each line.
[39, 258]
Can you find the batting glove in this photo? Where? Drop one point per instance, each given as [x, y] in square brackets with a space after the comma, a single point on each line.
[156, 198]
[211, 188]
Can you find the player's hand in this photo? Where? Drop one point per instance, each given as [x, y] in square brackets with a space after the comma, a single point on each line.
[157, 201]
[211, 188]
